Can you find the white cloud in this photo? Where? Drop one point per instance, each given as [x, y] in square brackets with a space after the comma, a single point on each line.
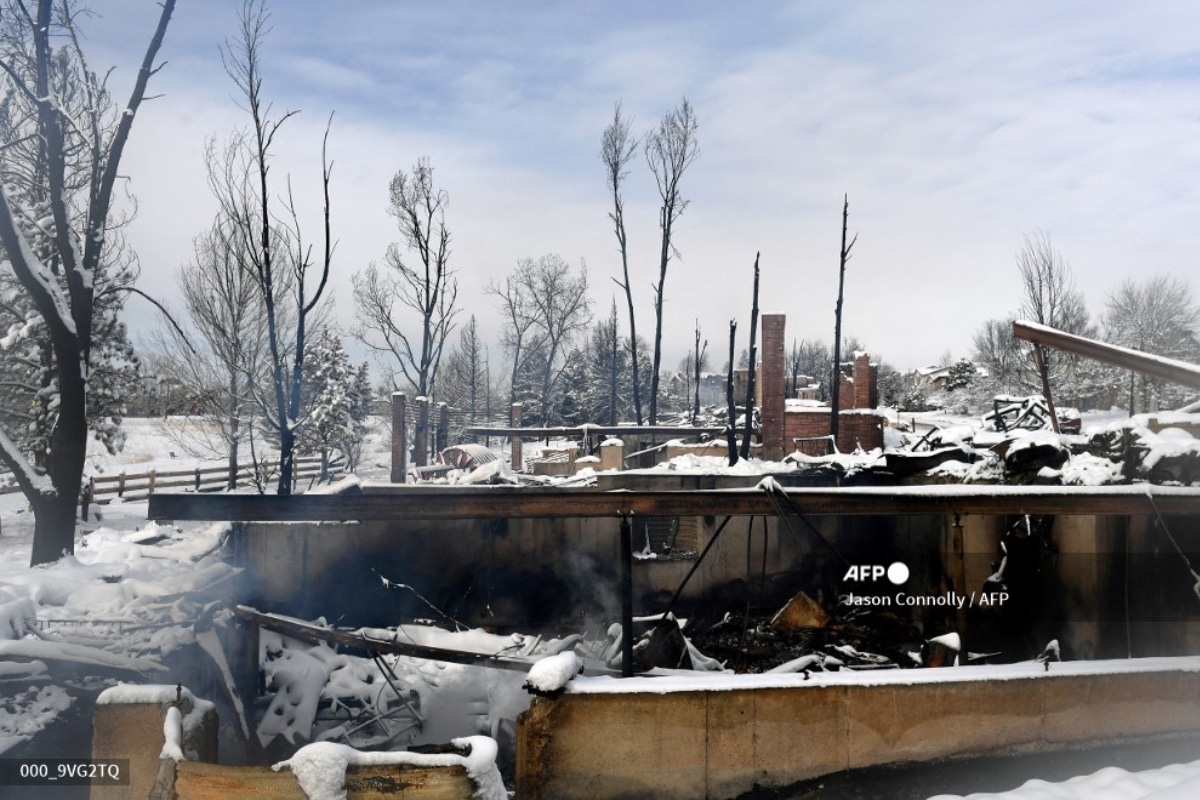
[954, 129]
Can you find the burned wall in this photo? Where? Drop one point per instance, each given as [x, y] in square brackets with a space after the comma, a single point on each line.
[804, 429]
[1102, 586]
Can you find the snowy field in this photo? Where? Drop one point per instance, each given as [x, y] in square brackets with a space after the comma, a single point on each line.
[137, 600]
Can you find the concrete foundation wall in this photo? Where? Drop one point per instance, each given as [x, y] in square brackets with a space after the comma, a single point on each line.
[723, 743]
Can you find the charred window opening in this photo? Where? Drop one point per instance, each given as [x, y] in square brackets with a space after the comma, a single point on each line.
[672, 538]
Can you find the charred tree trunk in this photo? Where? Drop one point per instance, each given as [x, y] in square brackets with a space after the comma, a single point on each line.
[835, 388]
[53, 528]
[58, 271]
[617, 149]
[730, 432]
[612, 378]
[696, 373]
[656, 360]
[750, 369]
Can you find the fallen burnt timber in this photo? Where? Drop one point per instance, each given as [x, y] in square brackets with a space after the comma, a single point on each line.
[393, 502]
[1169, 369]
[373, 645]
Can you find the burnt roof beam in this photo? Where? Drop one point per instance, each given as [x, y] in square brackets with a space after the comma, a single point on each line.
[447, 503]
[1169, 369]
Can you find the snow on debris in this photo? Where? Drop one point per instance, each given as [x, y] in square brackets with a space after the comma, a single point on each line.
[1175, 782]
[729, 682]
[448, 700]
[128, 597]
[1085, 469]
[692, 464]
[172, 735]
[74, 653]
[320, 768]
[25, 713]
[17, 618]
[550, 675]
[1169, 443]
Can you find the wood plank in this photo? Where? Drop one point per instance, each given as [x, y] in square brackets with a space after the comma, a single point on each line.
[398, 502]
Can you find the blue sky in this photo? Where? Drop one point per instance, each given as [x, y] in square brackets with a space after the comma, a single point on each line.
[955, 129]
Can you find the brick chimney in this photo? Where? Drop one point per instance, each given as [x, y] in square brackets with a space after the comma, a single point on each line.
[772, 385]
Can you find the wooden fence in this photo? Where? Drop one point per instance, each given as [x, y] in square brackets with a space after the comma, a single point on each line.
[141, 485]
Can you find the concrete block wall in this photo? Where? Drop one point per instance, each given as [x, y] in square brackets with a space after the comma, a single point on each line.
[774, 731]
[129, 725]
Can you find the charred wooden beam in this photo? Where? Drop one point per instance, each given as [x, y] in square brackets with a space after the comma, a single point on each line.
[355, 640]
[1169, 369]
[398, 502]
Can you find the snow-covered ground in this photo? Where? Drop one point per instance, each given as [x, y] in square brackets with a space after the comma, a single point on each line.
[1174, 782]
[137, 595]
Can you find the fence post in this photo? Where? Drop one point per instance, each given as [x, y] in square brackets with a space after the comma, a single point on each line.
[121, 485]
[399, 439]
[197, 479]
[514, 421]
[152, 477]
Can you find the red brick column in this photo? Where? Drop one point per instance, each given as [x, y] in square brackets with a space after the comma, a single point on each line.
[399, 439]
[846, 396]
[772, 385]
[864, 382]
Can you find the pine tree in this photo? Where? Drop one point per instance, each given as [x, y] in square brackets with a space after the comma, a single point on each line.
[334, 400]
[961, 375]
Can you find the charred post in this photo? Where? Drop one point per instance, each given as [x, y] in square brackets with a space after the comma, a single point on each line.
[749, 430]
[835, 387]
[730, 433]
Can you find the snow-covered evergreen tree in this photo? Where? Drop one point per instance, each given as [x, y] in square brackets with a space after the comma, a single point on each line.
[961, 376]
[336, 406]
